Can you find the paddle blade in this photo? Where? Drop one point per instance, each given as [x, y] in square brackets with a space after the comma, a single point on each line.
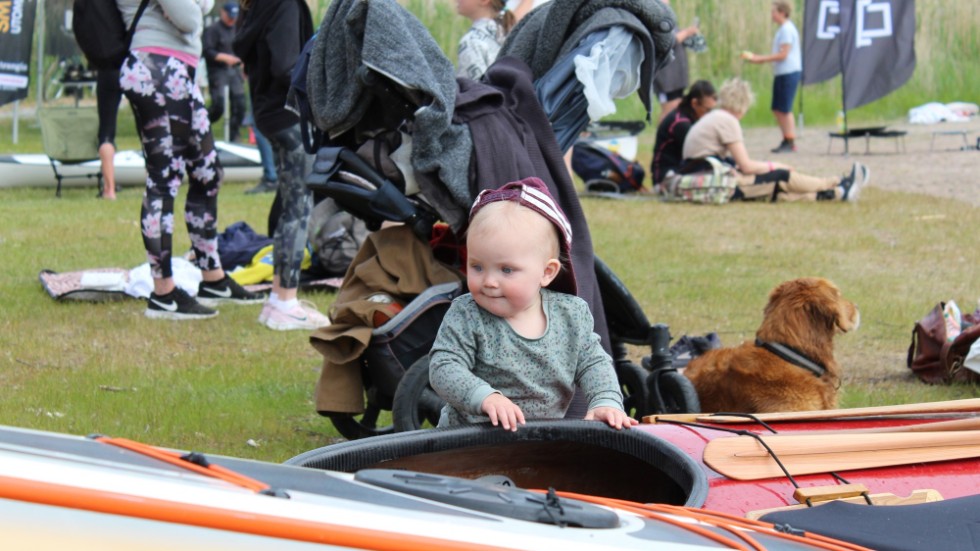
[744, 458]
[946, 407]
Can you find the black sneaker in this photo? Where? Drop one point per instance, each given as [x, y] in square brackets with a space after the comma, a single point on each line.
[176, 305]
[831, 194]
[785, 147]
[264, 186]
[210, 293]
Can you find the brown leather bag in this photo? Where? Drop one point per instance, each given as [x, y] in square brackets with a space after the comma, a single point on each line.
[928, 338]
[935, 360]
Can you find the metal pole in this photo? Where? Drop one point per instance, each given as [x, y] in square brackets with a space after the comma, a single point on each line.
[227, 113]
[16, 117]
[841, 44]
[40, 54]
[799, 116]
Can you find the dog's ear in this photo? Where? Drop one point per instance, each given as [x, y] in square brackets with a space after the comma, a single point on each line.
[827, 303]
[821, 302]
[848, 316]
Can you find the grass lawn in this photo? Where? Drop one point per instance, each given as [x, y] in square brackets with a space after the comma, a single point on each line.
[230, 386]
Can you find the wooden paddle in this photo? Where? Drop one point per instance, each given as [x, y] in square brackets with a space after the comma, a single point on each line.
[744, 458]
[949, 406]
[970, 423]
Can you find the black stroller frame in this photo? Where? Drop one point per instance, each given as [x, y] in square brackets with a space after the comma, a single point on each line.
[395, 366]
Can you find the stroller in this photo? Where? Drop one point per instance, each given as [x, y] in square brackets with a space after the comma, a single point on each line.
[369, 111]
[395, 366]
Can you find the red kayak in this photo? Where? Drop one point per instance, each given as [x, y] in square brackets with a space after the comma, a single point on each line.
[896, 454]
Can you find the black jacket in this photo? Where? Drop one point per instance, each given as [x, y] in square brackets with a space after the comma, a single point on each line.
[217, 39]
[269, 37]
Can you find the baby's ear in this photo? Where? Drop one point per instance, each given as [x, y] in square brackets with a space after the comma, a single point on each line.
[551, 271]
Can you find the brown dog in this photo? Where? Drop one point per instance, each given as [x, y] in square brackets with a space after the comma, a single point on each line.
[791, 365]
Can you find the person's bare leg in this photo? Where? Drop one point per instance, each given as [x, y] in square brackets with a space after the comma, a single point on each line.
[786, 124]
[163, 285]
[213, 275]
[107, 153]
[282, 293]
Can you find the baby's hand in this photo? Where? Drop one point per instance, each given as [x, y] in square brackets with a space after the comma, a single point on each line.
[502, 410]
[616, 418]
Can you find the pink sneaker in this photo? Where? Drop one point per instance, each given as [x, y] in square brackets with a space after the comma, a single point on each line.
[303, 316]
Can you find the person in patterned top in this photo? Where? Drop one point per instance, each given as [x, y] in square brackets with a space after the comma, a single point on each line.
[479, 46]
[516, 346]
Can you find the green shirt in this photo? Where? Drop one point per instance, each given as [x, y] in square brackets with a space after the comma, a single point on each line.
[477, 353]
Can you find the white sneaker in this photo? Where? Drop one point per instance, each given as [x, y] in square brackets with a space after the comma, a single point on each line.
[860, 174]
[302, 316]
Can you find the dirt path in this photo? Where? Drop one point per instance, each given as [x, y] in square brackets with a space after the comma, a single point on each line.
[945, 171]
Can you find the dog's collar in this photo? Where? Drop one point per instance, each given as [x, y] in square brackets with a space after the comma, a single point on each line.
[793, 356]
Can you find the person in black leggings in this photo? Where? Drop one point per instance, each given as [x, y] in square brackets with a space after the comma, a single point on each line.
[108, 95]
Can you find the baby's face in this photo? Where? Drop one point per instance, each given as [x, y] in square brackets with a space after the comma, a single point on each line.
[507, 265]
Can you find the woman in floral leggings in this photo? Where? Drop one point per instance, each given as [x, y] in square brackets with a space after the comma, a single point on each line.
[158, 80]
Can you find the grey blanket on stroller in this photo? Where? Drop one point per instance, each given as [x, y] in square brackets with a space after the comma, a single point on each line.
[358, 37]
[549, 32]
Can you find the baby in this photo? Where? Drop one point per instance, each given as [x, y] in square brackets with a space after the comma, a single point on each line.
[518, 343]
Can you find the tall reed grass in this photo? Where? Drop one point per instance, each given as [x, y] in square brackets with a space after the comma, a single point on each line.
[947, 47]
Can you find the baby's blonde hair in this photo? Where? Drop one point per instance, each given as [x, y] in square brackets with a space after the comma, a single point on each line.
[508, 214]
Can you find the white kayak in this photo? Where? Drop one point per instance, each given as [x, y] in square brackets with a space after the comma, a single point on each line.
[68, 492]
[240, 162]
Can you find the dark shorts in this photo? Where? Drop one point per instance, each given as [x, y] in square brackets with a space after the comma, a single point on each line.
[784, 91]
[664, 97]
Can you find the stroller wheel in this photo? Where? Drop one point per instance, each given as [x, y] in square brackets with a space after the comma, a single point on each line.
[632, 382]
[352, 426]
[602, 185]
[671, 392]
[415, 401]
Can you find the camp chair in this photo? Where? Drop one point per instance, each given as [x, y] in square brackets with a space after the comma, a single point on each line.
[69, 136]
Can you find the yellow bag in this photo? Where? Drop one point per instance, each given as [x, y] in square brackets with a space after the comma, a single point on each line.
[260, 269]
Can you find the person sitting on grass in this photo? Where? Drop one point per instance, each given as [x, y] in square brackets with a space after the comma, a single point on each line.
[719, 134]
[668, 148]
[516, 346]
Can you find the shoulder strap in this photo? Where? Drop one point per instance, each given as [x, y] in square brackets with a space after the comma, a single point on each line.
[139, 13]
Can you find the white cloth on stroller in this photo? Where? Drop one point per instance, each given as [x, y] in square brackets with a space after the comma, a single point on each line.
[610, 71]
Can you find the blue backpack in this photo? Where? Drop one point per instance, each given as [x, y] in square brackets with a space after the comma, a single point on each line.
[593, 164]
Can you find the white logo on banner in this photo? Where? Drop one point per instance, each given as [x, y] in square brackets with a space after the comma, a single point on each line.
[864, 35]
[826, 30]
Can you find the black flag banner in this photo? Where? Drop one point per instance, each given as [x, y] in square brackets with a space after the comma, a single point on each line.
[821, 53]
[878, 42]
[16, 35]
